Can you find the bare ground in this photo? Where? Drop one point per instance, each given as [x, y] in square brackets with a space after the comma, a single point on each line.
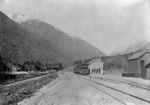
[69, 90]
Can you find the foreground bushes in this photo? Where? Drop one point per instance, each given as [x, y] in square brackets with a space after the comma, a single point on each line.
[10, 78]
[3, 66]
[13, 94]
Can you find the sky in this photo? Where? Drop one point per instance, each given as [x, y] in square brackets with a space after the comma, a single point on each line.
[106, 24]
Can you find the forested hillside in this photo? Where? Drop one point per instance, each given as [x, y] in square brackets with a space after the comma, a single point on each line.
[71, 48]
[19, 45]
[40, 41]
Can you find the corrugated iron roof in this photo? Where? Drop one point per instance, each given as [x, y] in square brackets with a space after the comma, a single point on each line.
[137, 55]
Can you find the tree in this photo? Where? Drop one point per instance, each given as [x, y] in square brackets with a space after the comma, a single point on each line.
[60, 66]
[38, 66]
[32, 66]
[26, 66]
[3, 67]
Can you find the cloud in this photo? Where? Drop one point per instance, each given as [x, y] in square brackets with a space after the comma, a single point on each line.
[1, 3]
[7, 1]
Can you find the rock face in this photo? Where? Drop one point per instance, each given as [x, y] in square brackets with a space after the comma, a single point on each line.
[36, 40]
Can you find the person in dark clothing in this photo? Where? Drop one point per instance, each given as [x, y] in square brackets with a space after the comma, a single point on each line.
[99, 70]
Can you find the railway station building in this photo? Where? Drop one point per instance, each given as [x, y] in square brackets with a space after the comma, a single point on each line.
[139, 65]
[96, 66]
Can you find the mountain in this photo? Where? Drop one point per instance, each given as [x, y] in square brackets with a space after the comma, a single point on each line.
[146, 47]
[19, 17]
[36, 40]
[138, 46]
[19, 44]
[117, 51]
[72, 48]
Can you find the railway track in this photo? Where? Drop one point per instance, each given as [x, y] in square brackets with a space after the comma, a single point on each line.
[114, 89]
[132, 81]
[107, 94]
[127, 82]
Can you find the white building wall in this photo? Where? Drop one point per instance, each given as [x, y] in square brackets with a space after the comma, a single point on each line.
[96, 65]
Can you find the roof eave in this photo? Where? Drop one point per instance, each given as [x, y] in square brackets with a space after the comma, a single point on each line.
[138, 57]
[132, 59]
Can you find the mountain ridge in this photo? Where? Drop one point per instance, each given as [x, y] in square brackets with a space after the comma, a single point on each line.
[136, 47]
[20, 43]
[19, 17]
[65, 43]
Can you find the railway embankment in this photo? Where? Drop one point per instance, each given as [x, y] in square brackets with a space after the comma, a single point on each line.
[11, 94]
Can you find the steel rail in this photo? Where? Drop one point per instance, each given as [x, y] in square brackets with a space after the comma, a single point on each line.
[142, 86]
[107, 93]
[142, 99]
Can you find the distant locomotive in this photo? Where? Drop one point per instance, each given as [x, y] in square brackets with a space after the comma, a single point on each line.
[55, 66]
[82, 70]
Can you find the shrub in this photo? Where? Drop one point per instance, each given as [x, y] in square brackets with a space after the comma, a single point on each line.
[3, 66]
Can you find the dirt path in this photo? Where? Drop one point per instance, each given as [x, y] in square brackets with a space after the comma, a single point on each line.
[69, 90]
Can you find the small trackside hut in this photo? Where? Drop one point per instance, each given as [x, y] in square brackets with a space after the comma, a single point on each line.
[93, 67]
[138, 65]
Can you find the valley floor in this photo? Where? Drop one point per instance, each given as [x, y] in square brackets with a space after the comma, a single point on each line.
[71, 89]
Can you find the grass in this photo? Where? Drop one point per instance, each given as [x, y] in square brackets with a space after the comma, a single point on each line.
[13, 94]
